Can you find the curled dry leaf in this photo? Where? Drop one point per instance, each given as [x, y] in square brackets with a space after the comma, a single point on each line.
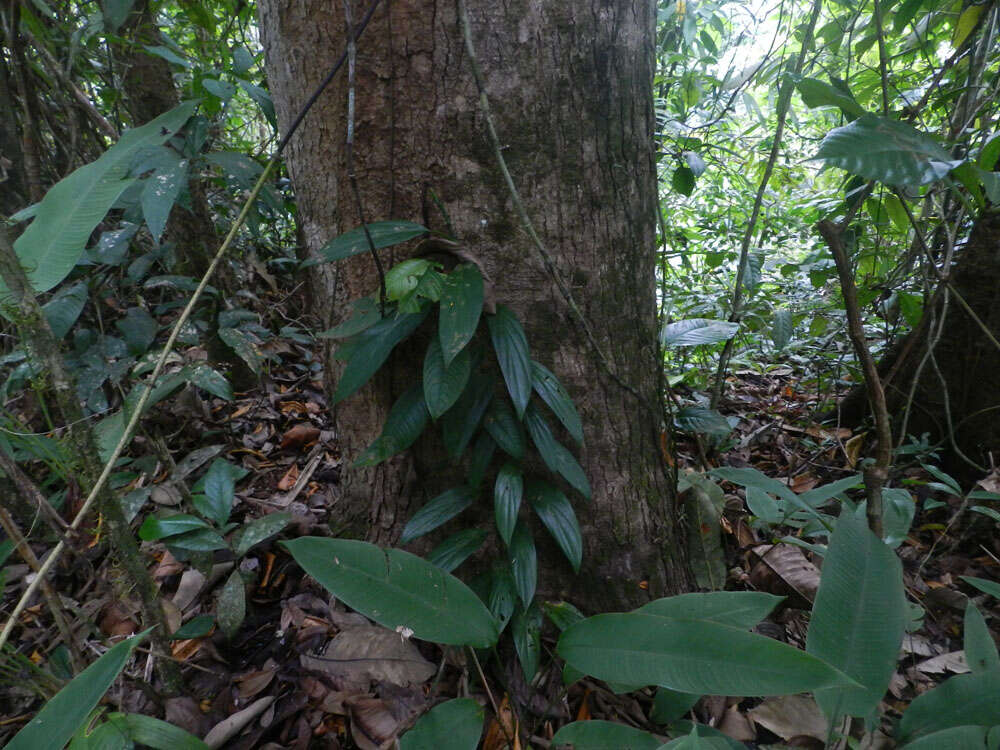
[791, 716]
[783, 569]
[299, 435]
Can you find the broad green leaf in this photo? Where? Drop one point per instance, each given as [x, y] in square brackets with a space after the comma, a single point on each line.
[505, 428]
[115, 12]
[703, 505]
[65, 307]
[557, 515]
[199, 540]
[965, 25]
[461, 306]
[898, 511]
[479, 459]
[526, 629]
[979, 646]
[990, 155]
[511, 348]
[383, 234]
[366, 314]
[781, 329]
[551, 391]
[859, 616]
[562, 614]
[59, 718]
[556, 456]
[696, 331]
[750, 477]
[405, 423]
[889, 151]
[222, 89]
[738, 609]
[459, 424]
[905, 14]
[73, 207]
[703, 421]
[454, 725]
[816, 93]
[160, 528]
[138, 329]
[603, 735]
[503, 596]
[404, 277]
[762, 505]
[219, 486]
[507, 493]
[262, 99]
[962, 700]
[706, 734]
[523, 563]
[683, 180]
[152, 733]
[691, 656]
[987, 587]
[211, 380]
[397, 589]
[196, 627]
[960, 738]
[257, 530]
[819, 495]
[372, 349]
[438, 511]
[443, 385]
[244, 346]
[231, 608]
[159, 193]
[669, 705]
[695, 740]
[456, 549]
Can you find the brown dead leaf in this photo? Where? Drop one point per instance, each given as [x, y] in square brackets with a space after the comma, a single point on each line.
[290, 477]
[299, 436]
[852, 449]
[184, 650]
[359, 656]
[292, 407]
[502, 732]
[991, 482]
[253, 683]
[791, 716]
[736, 725]
[783, 569]
[373, 726]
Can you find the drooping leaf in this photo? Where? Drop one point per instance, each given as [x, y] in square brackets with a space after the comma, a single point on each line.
[453, 725]
[161, 528]
[703, 504]
[257, 530]
[507, 493]
[683, 180]
[858, 618]
[557, 515]
[383, 234]
[762, 505]
[738, 609]
[444, 384]
[562, 614]
[898, 511]
[702, 421]
[523, 562]
[816, 93]
[691, 656]
[695, 331]
[459, 424]
[961, 700]
[159, 193]
[244, 346]
[603, 735]
[480, 458]
[527, 631]
[461, 306]
[219, 486]
[781, 329]
[669, 705]
[438, 511]
[889, 151]
[503, 596]
[231, 608]
[505, 428]
[372, 349]
[456, 549]
[403, 426]
[138, 329]
[397, 589]
[65, 307]
[556, 456]
[57, 721]
[979, 646]
[551, 391]
[366, 314]
[511, 346]
[145, 731]
[966, 24]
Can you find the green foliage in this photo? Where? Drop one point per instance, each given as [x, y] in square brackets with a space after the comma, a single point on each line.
[455, 724]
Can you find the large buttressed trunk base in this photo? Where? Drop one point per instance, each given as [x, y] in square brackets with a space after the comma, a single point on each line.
[570, 87]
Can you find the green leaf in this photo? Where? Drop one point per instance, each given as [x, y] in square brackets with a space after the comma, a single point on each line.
[372, 350]
[889, 151]
[160, 528]
[511, 347]
[153, 733]
[199, 540]
[683, 180]
[781, 329]
[603, 735]
[461, 305]
[138, 329]
[979, 646]
[211, 380]
[557, 515]
[397, 589]
[523, 563]
[962, 700]
[691, 656]
[965, 25]
[159, 194]
[257, 530]
[438, 511]
[444, 384]
[366, 314]
[219, 486]
[738, 609]
[670, 705]
[961, 738]
[905, 14]
[505, 428]
[507, 494]
[383, 234]
[703, 504]
[898, 511]
[196, 627]
[59, 718]
[551, 391]
[750, 477]
[460, 422]
[231, 608]
[405, 423]
[816, 93]
[762, 505]
[858, 618]
[115, 12]
[556, 457]
[480, 458]
[244, 346]
[403, 277]
[695, 331]
[65, 307]
[698, 419]
[502, 597]
[527, 633]
[73, 207]
[456, 549]
[454, 725]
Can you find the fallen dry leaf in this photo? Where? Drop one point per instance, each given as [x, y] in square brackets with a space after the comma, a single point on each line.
[791, 716]
[783, 569]
[289, 478]
[299, 435]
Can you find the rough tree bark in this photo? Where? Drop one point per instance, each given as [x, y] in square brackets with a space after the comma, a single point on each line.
[570, 85]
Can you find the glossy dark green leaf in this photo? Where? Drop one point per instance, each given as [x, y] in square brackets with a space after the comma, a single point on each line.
[669, 705]
[562, 614]
[245, 346]
[603, 735]
[405, 423]
[523, 562]
[443, 385]
[979, 646]
[199, 540]
[160, 528]
[505, 428]
[683, 180]
[461, 305]
[211, 380]
[459, 424]
[503, 596]
[962, 700]
[738, 609]
[557, 515]
[138, 329]
[507, 493]
[404, 277]
[160, 193]
[196, 627]
[219, 486]
[366, 314]
[480, 458]
[63, 310]
[397, 589]
[150, 732]
[456, 549]
[703, 421]
[526, 629]
[987, 587]
[551, 391]
[256, 531]
[960, 738]
[438, 511]
[372, 349]
[383, 234]
[454, 725]
[556, 456]
[511, 348]
[691, 656]
[816, 93]
[231, 607]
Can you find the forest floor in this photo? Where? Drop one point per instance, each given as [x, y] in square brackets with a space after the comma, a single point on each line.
[303, 671]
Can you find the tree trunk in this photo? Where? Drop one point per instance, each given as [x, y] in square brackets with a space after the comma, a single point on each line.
[570, 85]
